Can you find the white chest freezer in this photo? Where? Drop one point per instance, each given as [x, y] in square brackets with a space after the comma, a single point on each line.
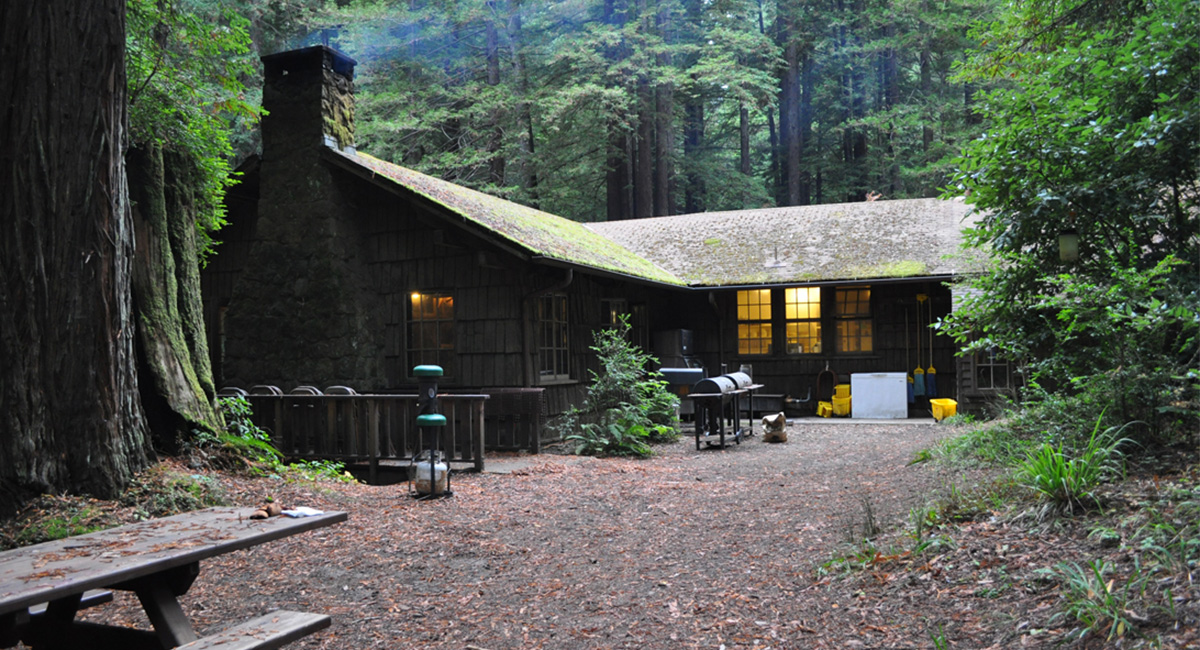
[882, 395]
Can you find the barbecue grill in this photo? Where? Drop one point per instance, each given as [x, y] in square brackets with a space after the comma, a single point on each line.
[718, 401]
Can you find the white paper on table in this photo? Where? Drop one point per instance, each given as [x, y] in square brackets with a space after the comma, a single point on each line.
[303, 511]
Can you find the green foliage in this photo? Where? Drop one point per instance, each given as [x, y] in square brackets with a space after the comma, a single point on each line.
[244, 444]
[68, 517]
[1098, 601]
[243, 436]
[536, 101]
[186, 63]
[1067, 478]
[1096, 128]
[627, 407]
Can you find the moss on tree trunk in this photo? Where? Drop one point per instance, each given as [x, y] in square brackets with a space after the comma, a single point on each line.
[174, 371]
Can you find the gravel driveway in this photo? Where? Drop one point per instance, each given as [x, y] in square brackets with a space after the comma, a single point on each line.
[690, 549]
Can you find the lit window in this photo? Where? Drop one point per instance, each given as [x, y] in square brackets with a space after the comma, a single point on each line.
[431, 331]
[802, 310]
[852, 313]
[553, 354]
[754, 321]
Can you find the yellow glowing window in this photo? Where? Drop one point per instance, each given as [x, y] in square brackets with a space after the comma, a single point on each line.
[431, 330]
[802, 309]
[754, 321]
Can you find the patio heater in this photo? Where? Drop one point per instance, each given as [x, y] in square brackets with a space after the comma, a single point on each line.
[429, 472]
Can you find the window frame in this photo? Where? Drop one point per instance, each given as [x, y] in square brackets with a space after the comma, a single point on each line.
[752, 318]
[818, 320]
[989, 359]
[843, 321]
[443, 353]
[556, 358]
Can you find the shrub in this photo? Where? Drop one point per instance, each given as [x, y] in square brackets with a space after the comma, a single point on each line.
[245, 445]
[627, 406]
[1066, 479]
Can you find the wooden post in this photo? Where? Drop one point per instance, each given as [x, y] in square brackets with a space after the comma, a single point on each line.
[477, 431]
[373, 440]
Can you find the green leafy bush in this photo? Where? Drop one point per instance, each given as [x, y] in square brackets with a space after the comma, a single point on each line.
[1096, 600]
[1068, 479]
[627, 406]
[244, 444]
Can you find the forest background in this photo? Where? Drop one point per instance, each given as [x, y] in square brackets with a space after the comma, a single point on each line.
[614, 109]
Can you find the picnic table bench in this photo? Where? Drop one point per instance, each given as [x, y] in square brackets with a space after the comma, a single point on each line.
[43, 586]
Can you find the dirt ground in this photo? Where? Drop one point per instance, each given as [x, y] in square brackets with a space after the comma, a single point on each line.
[711, 548]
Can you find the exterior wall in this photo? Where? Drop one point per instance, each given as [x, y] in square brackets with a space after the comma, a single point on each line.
[896, 327]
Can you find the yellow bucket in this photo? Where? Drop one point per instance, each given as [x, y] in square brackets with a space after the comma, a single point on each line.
[841, 390]
[841, 406]
[943, 408]
[824, 409]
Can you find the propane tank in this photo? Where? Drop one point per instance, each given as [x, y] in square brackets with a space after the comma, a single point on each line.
[430, 477]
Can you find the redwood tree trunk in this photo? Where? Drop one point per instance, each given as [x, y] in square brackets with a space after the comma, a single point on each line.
[643, 162]
[175, 379]
[70, 417]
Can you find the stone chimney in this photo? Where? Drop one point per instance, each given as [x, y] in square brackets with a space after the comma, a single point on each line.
[305, 309]
[309, 98]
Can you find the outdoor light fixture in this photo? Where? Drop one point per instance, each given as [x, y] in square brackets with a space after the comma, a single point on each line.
[1068, 245]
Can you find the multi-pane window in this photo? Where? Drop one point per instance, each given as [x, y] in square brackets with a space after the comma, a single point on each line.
[802, 313]
[552, 338]
[852, 314]
[991, 371]
[431, 331]
[611, 310]
[754, 321]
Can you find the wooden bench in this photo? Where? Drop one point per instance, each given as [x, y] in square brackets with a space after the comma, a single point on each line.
[267, 632]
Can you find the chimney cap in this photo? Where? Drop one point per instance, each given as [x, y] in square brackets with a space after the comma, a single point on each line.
[340, 63]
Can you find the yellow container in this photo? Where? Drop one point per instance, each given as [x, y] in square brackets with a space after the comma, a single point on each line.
[841, 390]
[841, 406]
[824, 409]
[943, 408]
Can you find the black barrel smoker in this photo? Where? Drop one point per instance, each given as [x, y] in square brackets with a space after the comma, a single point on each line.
[718, 401]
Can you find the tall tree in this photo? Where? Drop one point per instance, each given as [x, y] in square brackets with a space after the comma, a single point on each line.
[71, 418]
[1098, 134]
[184, 84]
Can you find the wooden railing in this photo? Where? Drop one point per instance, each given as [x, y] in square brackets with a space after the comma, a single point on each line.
[367, 428]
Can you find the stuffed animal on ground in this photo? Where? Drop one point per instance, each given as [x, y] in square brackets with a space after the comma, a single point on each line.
[773, 428]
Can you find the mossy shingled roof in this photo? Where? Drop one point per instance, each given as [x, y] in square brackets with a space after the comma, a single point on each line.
[536, 232]
[909, 238]
[816, 243]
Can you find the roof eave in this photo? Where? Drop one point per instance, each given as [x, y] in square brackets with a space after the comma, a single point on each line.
[608, 273]
[941, 277]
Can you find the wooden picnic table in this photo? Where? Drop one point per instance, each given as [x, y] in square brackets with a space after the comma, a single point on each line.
[158, 560]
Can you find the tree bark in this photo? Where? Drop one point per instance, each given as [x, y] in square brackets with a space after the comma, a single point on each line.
[664, 129]
[643, 161]
[70, 417]
[495, 147]
[789, 119]
[693, 143]
[175, 375]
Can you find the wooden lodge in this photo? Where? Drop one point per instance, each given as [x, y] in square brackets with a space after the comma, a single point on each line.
[339, 268]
